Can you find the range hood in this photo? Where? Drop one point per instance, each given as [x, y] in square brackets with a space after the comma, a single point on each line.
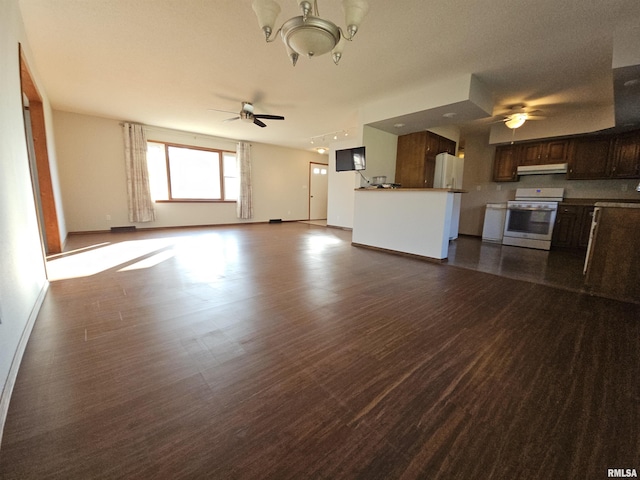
[542, 169]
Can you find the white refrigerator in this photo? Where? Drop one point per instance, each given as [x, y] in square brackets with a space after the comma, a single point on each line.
[449, 175]
[449, 169]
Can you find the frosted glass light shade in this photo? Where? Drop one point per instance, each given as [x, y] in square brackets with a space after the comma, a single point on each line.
[311, 37]
[516, 121]
[267, 12]
[354, 13]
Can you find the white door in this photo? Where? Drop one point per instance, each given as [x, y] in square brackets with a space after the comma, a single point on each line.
[318, 187]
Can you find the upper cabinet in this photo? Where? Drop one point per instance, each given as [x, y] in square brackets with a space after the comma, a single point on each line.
[544, 153]
[505, 164]
[410, 160]
[589, 157]
[416, 158]
[626, 156]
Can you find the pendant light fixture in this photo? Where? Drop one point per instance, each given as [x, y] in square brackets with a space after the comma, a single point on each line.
[309, 34]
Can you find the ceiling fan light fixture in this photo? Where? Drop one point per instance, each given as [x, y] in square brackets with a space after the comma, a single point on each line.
[309, 34]
[516, 120]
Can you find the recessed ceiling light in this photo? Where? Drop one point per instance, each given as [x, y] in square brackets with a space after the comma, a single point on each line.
[449, 115]
[398, 125]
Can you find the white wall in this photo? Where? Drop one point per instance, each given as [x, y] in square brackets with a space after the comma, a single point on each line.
[341, 187]
[91, 163]
[22, 271]
[381, 148]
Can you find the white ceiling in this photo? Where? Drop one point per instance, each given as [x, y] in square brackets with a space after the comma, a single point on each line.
[167, 62]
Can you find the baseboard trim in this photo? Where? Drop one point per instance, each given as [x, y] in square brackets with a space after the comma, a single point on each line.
[402, 254]
[7, 389]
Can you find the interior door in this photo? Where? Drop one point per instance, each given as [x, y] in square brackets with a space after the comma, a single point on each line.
[318, 188]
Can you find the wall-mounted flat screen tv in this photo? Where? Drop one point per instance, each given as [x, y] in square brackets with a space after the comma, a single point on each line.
[350, 159]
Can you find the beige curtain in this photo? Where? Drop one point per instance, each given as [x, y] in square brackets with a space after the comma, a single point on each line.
[244, 207]
[141, 207]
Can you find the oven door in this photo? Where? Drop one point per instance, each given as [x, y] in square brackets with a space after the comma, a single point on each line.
[530, 220]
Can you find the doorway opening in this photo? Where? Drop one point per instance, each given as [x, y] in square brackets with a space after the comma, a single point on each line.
[36, 137]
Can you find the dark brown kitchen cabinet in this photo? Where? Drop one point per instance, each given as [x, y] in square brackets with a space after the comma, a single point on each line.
[530, 154]
[557, 151]
[613, 258]
[626, 156]
[589, 158]
[505, 164]
[544, 153]
[572, 226]
[410, 160]
[565, 226]
[416, 158]
[584, 227]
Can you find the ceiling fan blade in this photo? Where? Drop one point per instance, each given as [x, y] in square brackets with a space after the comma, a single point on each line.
[259, 122]
[269, 117]
[216, 110]
[231, 119]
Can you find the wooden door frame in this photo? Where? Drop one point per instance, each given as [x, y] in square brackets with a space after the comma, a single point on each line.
[36, 109]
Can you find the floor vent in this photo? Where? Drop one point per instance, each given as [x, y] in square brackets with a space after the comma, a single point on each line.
[130, 228]
[275, 220]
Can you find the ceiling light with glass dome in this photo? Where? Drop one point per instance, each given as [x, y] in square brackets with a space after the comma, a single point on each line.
[309, 34]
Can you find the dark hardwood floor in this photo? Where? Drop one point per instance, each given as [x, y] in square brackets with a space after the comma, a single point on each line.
[281, 351]
[561, 268]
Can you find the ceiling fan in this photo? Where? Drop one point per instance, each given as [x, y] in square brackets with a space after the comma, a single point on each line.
[518, 114]
[246, 114]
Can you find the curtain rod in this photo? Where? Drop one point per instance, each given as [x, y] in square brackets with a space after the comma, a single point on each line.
[184, 133]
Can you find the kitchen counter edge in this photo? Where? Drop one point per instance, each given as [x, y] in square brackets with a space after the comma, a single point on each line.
[617, 205]
[450, 190]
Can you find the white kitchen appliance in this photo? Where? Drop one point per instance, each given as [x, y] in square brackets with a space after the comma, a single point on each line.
[531, 216]
[493, 227]
[449, 169]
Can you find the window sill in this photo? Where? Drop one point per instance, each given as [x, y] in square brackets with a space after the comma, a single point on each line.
[194, 200]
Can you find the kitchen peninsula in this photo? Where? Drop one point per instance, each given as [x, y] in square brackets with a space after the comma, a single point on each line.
[415, 221]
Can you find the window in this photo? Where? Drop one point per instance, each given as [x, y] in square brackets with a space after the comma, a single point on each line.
[183, 173]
